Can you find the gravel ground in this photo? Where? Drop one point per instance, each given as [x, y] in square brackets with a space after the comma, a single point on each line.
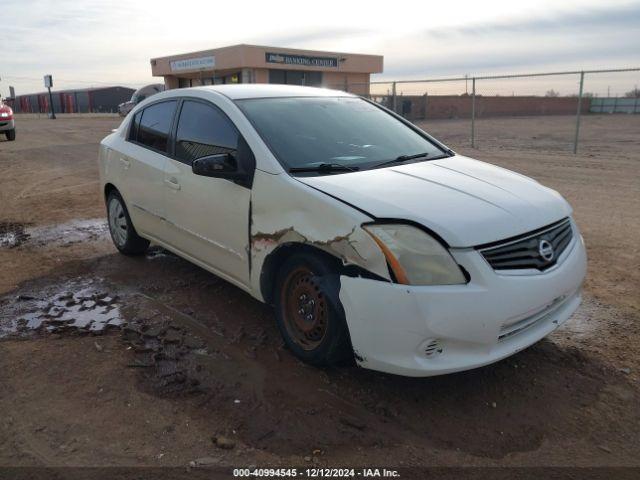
[201, 373]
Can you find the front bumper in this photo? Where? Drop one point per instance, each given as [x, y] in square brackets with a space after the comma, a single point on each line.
[432, 330]
[7, 125]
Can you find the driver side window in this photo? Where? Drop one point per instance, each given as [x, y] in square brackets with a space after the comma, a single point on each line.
[203, 130]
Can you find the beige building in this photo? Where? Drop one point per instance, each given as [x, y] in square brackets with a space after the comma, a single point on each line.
[257, 64]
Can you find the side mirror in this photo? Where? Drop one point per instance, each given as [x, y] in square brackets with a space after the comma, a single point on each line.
[222, 165]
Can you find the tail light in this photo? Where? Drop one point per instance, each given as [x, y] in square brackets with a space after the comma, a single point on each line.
[6, 113]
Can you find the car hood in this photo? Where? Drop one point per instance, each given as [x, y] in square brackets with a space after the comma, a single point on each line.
[465, 201]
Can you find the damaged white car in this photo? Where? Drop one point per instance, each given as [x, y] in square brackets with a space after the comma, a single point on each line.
[373, 240]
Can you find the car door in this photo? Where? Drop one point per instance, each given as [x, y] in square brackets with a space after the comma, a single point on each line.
[143, 164]
[207, 217]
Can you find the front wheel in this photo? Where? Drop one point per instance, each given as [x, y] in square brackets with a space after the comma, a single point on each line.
[11, 134]
[308, 312]
[123, 234]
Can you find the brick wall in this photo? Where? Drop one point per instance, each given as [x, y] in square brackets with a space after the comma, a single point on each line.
[459, 106]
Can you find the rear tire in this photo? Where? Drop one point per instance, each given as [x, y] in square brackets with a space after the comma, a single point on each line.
[11, 135]
[311, 322]
[123, 234]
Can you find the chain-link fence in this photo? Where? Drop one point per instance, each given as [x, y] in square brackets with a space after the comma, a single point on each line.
[541, 111]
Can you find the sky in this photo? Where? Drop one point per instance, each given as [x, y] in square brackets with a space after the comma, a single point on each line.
[86, 43]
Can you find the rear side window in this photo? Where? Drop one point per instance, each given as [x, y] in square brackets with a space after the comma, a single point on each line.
[203, 130]
[135, 123]
[154, 126]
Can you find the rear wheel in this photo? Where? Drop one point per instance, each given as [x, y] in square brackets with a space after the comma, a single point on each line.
[308, 312]
[123, 234]
[11, 134]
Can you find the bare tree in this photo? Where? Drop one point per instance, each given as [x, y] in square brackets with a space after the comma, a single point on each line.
[551, 93]
[635, 93]
[584, 95]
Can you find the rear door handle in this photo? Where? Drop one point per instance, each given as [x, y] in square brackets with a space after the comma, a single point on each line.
[172, 183]
[126, 163]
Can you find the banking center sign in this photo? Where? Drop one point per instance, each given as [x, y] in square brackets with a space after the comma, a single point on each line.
[200, 63]
[301, 60]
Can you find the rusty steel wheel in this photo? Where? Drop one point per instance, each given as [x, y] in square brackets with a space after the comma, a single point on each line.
[308, 310]
[305, 314]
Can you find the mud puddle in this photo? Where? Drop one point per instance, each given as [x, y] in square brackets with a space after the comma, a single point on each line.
[82, 306]
[15, 234]
[69, 233]
[12, 234]
[167, 345]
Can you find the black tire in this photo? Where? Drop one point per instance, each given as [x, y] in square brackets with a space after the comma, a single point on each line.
[324, 340]
[11, 135]
[121, 228]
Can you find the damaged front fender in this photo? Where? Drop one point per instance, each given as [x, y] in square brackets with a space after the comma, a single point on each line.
[286, 211]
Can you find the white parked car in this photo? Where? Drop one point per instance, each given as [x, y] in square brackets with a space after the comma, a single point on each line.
[138, 96]
[373, 240]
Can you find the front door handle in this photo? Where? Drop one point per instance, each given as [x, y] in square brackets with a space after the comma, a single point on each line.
[172, 183]
[126, 163]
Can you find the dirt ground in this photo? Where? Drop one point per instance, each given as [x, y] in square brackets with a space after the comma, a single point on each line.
[199, 374]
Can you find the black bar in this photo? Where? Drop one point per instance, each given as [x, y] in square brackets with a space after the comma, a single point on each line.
[52, 114]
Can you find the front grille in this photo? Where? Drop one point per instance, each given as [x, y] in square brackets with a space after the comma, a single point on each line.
[539, 249]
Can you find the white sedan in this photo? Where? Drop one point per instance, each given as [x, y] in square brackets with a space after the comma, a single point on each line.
[373, 240]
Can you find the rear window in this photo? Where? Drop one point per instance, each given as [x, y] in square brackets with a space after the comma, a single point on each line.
[151, 127]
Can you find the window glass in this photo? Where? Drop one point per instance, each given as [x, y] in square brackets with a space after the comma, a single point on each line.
[295, 77]
[306, 132]
[155, 125]
[277, 76]
[135, 123]
[313, 79]
[203, 130]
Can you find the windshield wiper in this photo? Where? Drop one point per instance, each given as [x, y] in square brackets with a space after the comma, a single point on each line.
[402, 158]
[324, 167]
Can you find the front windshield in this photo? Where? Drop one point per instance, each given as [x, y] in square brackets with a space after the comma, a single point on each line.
[344, 131]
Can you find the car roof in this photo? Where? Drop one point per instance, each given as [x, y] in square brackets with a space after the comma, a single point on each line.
[261, 90]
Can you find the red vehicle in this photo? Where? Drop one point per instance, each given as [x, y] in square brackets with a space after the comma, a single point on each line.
[7, 123]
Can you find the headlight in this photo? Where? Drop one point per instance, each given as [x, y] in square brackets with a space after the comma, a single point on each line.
[4, 114]
[415, 257]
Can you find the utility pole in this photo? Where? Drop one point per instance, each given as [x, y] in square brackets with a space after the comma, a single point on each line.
[473, 112]
[575, 141]
[48, 82]
[394, 102]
